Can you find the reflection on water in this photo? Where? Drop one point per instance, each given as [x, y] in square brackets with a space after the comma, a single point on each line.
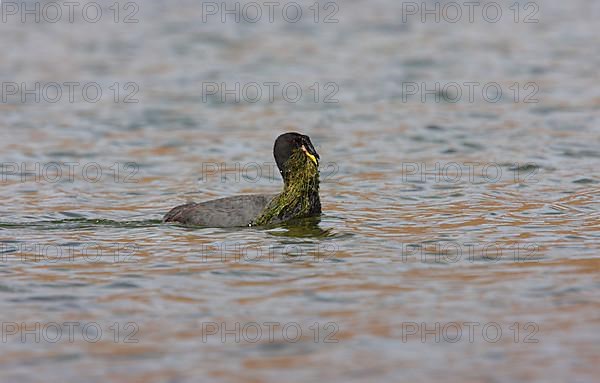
[457, 238]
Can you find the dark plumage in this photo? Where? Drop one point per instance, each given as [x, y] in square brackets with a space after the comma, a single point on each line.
[297, 161]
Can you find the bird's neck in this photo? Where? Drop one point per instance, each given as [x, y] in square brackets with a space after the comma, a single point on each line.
[300, 195]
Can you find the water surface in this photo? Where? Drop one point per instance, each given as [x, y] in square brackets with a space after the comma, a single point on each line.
[437, 215]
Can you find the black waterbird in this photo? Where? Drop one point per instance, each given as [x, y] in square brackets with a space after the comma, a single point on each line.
[298, 163]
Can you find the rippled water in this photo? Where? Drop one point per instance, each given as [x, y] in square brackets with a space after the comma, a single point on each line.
[439, 217]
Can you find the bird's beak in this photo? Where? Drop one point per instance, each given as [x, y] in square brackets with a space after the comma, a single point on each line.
[313, 157]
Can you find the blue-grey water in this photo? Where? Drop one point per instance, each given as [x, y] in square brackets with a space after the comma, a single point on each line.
[460, 232]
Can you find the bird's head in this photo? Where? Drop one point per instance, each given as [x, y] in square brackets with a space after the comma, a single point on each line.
[295, 145]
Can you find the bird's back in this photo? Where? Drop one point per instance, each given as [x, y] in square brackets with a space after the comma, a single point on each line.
[224, 212]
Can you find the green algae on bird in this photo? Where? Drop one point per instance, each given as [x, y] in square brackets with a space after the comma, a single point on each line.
[300, 195]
